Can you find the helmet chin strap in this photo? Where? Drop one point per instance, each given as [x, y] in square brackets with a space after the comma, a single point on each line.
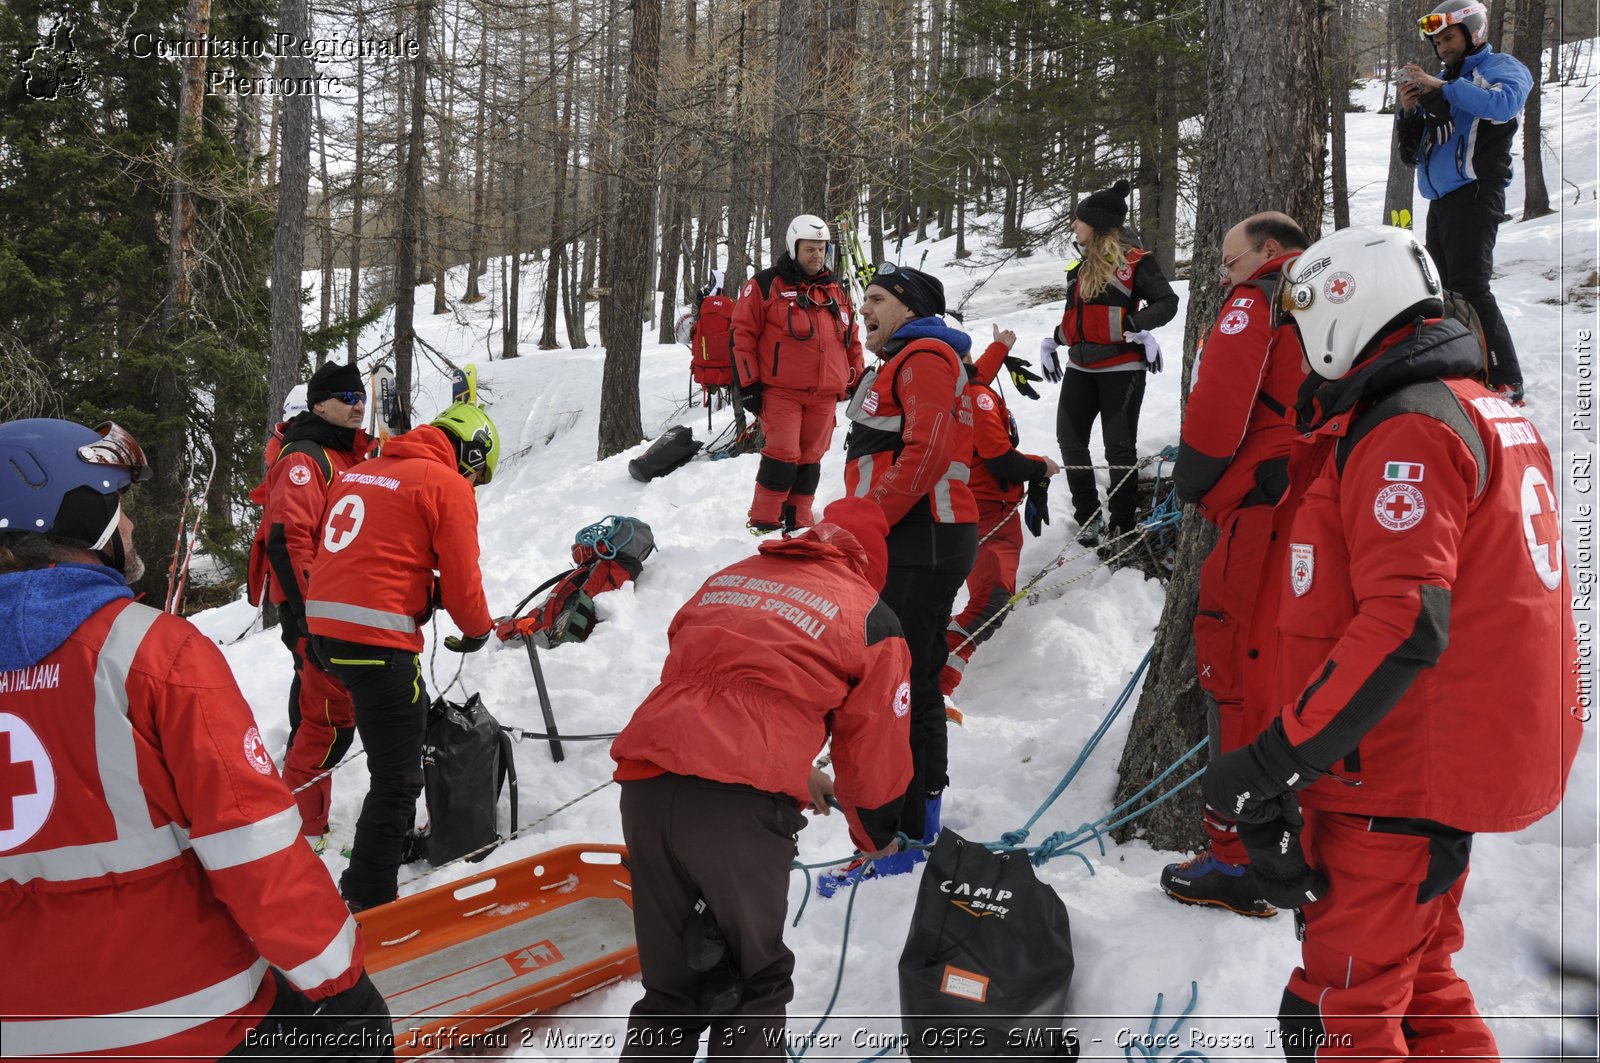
[110, 550]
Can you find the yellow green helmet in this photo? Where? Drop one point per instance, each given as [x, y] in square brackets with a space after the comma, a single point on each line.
[476, 438]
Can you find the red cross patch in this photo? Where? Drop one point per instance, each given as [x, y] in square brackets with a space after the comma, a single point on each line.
[27, 782]
[1541, 527]
[1339, 287]
[344, 523]
[1399, 507]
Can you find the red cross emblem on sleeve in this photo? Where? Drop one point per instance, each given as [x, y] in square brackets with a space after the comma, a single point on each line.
[1541, 527]
[344, 523]
[1399, 507]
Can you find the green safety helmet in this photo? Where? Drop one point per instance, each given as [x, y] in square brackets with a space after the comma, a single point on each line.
[476, 438]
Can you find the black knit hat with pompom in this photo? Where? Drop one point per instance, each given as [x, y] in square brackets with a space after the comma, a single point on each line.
[1105, 209]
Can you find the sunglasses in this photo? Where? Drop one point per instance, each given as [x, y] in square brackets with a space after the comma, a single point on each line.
[117, 448]
[1431, 25]
[1227, 263]
[350, 398]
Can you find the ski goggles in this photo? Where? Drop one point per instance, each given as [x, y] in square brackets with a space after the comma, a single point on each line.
[350, 398]
[884, 269]
[1432, 24]
[116, 447]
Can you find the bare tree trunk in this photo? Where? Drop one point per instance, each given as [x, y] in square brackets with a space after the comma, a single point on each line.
[630, 258]
[325, 223]
[358, 195]
[1338, 104]
[1400, 191]
[480, 136]
[1263, 144]
[405, 257]
[1530, 46]
[787, 195]
[191, 101]
[288, 237]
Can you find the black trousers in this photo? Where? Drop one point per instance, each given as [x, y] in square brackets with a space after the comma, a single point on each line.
[391, 706]
[289, 635]
[1115, 398]
[732, 845]
[928, 563]
[1462, 228]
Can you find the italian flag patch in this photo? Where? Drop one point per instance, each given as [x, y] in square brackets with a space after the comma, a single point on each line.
[1408, 472]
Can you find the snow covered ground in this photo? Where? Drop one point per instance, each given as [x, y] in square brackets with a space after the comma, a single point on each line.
[1033, 694]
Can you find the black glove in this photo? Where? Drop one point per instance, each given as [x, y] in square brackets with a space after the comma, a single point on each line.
[1021, 376]
[467, 643]
[1279, 863]
[360, 1017]
[1036, 514]
[1256, 783]
[750, 396]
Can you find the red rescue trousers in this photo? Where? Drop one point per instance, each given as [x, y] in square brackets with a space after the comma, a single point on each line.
[325, 731]
[798, 426]
[1376, 979]
[1230, 667]
[990, 585]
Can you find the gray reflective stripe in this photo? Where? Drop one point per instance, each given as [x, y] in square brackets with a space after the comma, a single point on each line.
[72, 862]
[99, 1033]
[939, 498]
[956, 663]
[113, 732]
[360, 614]
[958, 471]
[330, 963]
[885, 424]
[240, 845]
[864, 474]
[958, 629]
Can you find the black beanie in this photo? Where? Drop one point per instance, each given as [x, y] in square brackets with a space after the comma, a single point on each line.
[1105, 209]
[922, 292]
[332, 378]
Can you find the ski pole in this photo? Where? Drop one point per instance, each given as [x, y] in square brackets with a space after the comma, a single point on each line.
[544, 702]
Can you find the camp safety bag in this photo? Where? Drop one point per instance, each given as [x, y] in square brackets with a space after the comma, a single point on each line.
[605, 556]
[671, 450]
[466, 762]
[988, 961]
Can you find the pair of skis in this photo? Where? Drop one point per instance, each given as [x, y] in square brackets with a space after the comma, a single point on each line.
[390, 416]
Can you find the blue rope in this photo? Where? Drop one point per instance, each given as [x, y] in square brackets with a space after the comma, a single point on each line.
[1148, 1046]
[1019, 836]
[606, 537]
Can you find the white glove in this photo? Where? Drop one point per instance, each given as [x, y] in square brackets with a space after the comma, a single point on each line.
[1152, 349]
[1048, 362]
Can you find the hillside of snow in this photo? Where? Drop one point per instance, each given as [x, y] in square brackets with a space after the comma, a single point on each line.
[1033, 694]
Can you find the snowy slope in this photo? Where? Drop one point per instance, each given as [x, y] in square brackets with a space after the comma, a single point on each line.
[1033, 694]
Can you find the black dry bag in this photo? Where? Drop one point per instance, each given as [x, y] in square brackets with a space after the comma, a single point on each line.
[988, 961]
[466, 761]
[671, 450]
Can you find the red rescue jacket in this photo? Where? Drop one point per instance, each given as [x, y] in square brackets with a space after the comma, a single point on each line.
[391, 523]
[295, 493]
[770, 657]
[796, 332]
[912, 434]
[1425, 635]
[1000, 473]
[151, 857]
[1239, 414]
[711, 343]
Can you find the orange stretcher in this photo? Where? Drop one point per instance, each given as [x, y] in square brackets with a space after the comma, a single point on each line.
[462, 959]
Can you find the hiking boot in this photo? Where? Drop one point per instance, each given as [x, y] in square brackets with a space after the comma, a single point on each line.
[1203, 879]
[1512, 393]
[1089, 534]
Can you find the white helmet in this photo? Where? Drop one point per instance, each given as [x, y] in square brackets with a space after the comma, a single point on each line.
[294, 403]
[1354, 287]
[1470, 15]
[805, 227]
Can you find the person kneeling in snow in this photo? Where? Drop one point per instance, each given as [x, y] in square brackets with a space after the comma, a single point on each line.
[767, 659]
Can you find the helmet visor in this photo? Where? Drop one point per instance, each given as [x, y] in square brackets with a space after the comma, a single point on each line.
[117, 447]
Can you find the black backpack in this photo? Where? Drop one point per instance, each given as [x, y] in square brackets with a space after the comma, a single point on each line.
[988, 961]
[466, 762]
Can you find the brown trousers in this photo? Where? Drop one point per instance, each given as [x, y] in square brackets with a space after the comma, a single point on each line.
[732, 845]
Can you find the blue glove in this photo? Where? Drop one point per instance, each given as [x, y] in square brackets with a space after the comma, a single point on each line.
[1048, 362]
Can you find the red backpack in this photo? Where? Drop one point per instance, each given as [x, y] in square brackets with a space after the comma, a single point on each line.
[711, 342]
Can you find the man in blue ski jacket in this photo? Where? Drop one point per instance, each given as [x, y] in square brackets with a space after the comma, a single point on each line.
[1457, 129]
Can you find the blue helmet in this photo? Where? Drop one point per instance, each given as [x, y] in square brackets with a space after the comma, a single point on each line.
[62, 479]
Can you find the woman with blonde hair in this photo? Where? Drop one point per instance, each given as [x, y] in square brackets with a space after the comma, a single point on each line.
[1117, 294]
